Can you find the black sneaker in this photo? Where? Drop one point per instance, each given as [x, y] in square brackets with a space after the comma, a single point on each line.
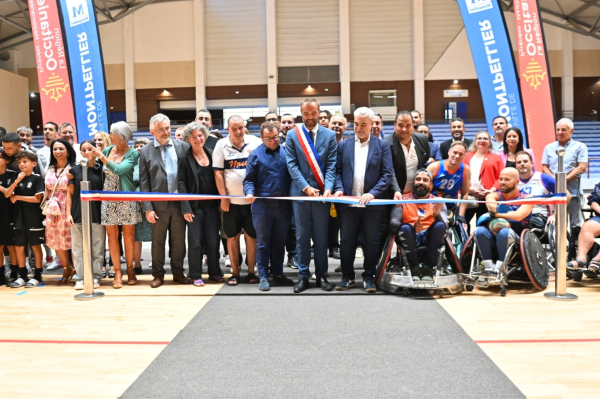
[369, 286]
[292, 262]
[344, 284]
[426, 273]
[415, 271]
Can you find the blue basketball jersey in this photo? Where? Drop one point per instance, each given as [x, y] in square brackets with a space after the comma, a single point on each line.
[518, 226]
[448, 185]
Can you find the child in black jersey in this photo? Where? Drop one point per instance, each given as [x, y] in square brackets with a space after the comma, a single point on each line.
[7, 211]
[26, 193]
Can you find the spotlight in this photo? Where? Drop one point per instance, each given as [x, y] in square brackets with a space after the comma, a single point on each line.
[32, 95]
[309, 87]
[165, 92]
[455, 81]
[237, 92]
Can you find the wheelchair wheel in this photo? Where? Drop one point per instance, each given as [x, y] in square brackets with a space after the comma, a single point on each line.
[384, 258]
[552, 242]
[451, 257]
[534, 260]
[467, 255]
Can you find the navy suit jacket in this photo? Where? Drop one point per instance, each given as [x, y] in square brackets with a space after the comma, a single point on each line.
[298, 166]
[378, 174]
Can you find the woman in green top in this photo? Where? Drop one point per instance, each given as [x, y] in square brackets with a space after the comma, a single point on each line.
[120, 160]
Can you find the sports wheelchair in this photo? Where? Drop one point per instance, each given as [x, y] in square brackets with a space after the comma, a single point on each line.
[576, 274]
[525, 262]
[394, 276]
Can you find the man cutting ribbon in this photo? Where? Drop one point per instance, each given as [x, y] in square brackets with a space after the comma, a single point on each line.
[311, 153]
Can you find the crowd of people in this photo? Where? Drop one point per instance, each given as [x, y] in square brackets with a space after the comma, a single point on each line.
[41, 201]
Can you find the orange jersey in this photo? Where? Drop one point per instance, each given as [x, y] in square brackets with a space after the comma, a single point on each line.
[413, 212]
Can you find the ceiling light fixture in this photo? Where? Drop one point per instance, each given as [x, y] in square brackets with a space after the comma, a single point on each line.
[309, 87]
[237, 92]
[455, 81]
[32, 95]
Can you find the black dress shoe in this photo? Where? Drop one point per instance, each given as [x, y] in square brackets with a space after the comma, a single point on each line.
[302, 285]
[292, 262]
[324, 284]
[336, 253]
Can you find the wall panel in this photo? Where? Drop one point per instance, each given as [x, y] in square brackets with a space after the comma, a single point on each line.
[307, 32]
[150, 75]
[384, 53]
[442, 21]
[236, 42]
[14, 108]
[111, 38]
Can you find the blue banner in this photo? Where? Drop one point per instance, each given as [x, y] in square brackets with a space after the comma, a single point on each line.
[87, 67]
[494, 62]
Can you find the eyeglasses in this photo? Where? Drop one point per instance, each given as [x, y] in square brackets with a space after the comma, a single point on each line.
[269, 139]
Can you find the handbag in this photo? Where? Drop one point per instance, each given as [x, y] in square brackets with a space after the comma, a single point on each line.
[45, 205]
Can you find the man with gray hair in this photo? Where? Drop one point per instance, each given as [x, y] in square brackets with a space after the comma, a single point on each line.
[158, 174]
[575, 163]
[365, 170]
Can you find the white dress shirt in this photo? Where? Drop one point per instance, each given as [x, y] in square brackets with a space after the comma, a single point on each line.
[361, 151]
[412, 162]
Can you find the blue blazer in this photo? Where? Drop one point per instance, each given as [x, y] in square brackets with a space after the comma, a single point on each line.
[434, 151]
[297, 163]
[378, 174]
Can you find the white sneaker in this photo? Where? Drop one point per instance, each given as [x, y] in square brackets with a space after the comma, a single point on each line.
[54, 265]
[96, 283]
[79, 285]
[359, 252]
[32, 283]
[204, 261]
[227, 261]
[17, 283]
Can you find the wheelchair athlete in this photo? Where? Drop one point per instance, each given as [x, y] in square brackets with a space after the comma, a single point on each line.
[518, 216]
[589, 231]
[451, 177]
[420, 226]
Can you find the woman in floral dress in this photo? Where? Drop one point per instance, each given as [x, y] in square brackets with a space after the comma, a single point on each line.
[58, 231]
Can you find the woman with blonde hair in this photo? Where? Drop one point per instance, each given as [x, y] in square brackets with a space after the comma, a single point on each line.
[102, 140]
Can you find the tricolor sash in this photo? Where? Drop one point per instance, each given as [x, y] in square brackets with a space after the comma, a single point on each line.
[312, 156]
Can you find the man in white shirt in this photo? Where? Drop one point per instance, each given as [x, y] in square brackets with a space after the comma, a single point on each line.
[50, 134]
[364, 170]
[230, 158]
[68, 132]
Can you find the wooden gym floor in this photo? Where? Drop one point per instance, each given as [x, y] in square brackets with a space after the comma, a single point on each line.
[55, 347]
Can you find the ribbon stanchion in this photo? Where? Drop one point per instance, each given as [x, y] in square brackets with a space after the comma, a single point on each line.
[551, 199]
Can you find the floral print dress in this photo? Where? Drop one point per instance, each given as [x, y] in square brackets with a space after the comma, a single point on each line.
[58, 231]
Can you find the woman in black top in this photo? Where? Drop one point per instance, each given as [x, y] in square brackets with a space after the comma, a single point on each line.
[195, 175]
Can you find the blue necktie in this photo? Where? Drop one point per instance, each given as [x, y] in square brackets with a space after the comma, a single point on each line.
[171, 173]
[312, 136]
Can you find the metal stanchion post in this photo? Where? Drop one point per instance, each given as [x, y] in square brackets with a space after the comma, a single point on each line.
[560, 273]
[86, 227]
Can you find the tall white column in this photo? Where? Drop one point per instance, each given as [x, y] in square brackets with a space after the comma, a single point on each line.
[130, 102]
[567, 77]
[345, 55]
[271, 55]
[199, 55]
[418, 55]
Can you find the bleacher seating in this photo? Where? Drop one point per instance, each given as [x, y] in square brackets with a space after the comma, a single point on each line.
[586, 132]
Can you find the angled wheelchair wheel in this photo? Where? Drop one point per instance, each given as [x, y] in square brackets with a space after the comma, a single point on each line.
[534, 259]
[384, 258]
[451, 257]
[552, 242]
[467, 255]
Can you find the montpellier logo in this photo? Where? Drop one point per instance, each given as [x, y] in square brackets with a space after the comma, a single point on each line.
[532, 74]
[478, 5]
[78, 12]
[54, 86]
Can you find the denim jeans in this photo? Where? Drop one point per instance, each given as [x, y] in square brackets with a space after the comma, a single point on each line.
[204, 229]
[271, 222]
[433, 238]
[98, 249]
[487, 242]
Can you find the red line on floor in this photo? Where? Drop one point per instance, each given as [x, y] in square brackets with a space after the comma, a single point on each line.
[536, 341]
[36, 341]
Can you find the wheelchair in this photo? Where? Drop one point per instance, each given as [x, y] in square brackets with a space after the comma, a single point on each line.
[394, 276]
[525, 262]
[572, 244]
